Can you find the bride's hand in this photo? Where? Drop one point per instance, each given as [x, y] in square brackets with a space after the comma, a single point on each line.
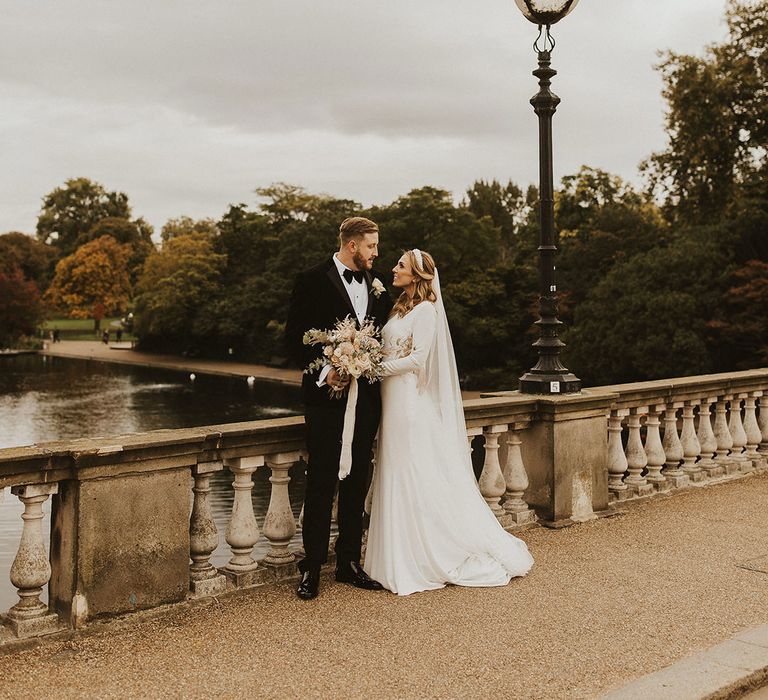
[336, 381]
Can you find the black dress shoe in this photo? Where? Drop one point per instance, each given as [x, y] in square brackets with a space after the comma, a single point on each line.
[309, 586]
[353, 573]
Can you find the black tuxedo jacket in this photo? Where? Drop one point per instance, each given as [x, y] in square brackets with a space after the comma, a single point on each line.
[319, 299]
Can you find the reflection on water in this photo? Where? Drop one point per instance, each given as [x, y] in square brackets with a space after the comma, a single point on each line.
[51, 398]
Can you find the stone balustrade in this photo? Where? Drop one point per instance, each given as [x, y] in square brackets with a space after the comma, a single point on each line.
[713, 427]
[132, 525]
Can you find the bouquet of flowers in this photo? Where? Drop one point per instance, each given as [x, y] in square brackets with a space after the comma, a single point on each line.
[351, 351]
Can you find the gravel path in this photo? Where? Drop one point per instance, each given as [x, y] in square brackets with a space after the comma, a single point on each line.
[606, 602]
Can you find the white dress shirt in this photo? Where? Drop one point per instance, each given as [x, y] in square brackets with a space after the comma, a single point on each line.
[358, 295]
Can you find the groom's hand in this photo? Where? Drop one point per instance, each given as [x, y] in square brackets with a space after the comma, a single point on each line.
[336, 381]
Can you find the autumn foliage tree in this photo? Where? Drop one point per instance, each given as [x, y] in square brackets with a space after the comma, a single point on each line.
[21, 309]
[96, 273]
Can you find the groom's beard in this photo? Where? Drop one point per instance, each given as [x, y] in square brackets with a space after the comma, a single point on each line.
[361, 262]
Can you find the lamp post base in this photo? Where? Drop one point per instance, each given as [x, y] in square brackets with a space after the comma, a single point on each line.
[550, 383]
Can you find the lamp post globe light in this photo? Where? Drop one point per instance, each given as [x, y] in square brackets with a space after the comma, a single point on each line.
[549, 375]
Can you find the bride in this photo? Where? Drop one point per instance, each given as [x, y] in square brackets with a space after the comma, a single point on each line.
[429, 525]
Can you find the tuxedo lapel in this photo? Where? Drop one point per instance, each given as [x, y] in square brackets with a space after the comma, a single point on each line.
[335, 277]
[371, 296]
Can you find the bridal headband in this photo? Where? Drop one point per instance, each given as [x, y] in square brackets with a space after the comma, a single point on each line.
[419, 259]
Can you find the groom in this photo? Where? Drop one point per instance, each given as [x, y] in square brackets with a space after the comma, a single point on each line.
[340, 286]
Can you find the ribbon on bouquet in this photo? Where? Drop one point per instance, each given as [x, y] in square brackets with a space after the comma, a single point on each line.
[348, 433]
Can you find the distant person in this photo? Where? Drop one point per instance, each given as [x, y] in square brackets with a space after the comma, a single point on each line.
[56, 334]
[105, 337]
[119, 334]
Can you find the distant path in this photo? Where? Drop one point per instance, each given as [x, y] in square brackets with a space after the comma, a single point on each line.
[121, 353]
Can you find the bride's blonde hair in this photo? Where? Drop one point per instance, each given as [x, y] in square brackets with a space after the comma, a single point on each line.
[423, 273]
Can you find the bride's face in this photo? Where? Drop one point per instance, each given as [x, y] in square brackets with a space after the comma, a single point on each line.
[403, 273]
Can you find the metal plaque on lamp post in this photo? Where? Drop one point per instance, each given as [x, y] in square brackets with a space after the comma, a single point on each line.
[549, 375]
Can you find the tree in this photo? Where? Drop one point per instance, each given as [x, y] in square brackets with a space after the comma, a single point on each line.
[135, 234]
[184, 225]
[34, 259]
[96, 273]
[601, 221]
[648, 317]
[21, 310]
[177, 292]
[508, 207]
[717, 119]
[739, 333]
[72, 210]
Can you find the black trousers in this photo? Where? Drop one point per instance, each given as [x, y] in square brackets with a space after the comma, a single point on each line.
[324, 426]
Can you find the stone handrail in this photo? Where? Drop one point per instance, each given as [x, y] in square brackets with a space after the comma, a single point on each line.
[132, 526]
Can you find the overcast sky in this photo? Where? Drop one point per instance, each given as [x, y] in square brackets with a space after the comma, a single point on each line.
[188, 106]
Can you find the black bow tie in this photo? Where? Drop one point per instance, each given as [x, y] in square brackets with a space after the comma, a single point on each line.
[349, 275]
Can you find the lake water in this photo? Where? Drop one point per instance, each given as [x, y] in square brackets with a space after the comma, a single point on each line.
[51, 398]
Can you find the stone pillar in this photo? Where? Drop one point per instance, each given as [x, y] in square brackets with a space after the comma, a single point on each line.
[566, 456]
[637, 460]
[690, 443]
[617, 460]
[707, 440]
[654, 450]
[673, 449]
[279, 523]
[738, 434]
[752, 430]
[515, 508]
[242, 531]
[723, 437]
[119, 543]
[204, 578]
[31, 569]
[492, 484]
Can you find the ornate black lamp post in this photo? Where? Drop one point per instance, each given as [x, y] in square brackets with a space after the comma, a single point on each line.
[549, 375]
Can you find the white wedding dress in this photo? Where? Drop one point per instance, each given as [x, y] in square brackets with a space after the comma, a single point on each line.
[429, 524]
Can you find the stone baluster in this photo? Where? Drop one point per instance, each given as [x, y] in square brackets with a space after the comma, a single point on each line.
[31, 569]
[752, 430]
[516, 478]
[637, 460]
[654, 450]
[707, 440]
[739, 435]
[617, 460]
[762, 423]
[472, 433]
[279, 523]
[673, 448]
[204, 578]
[242, 531]
[723, 436]
[690, 443]
[492, 484]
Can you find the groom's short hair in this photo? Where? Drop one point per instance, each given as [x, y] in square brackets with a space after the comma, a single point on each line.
[356, 227]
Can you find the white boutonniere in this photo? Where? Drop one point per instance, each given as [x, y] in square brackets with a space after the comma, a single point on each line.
[377, 288]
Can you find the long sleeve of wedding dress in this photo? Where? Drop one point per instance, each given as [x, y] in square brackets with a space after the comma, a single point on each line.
[424, 321]
[429, 526]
